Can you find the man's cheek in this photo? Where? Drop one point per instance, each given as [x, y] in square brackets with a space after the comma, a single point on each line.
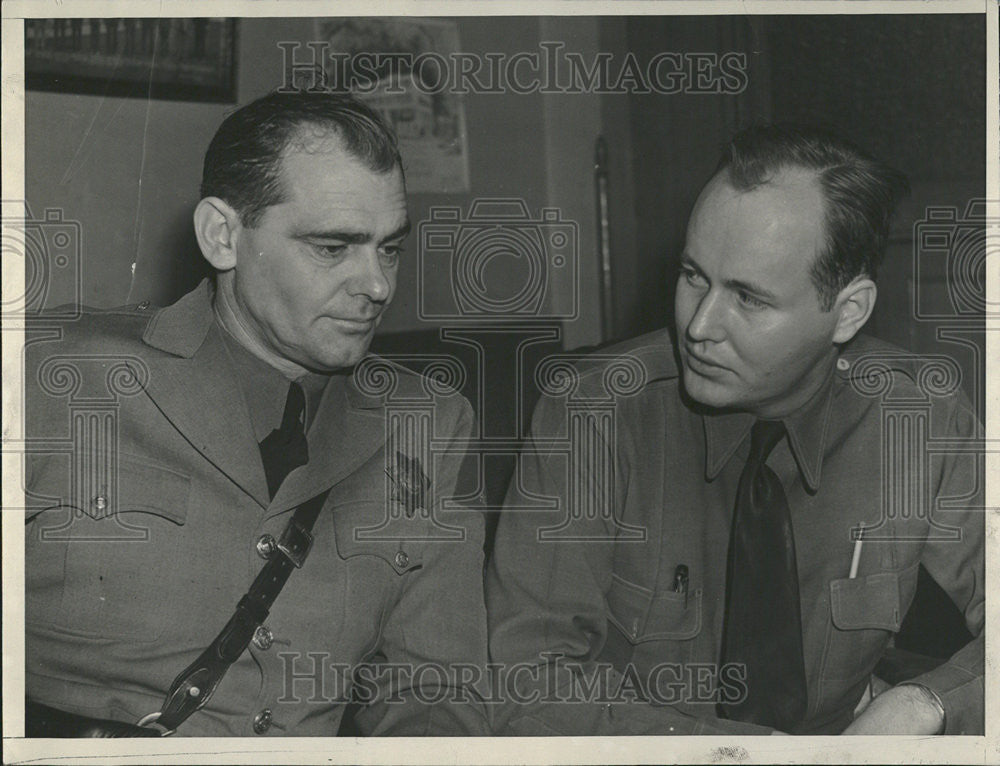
[682, 314]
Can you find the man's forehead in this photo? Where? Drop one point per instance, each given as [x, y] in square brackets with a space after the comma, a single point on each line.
[313, 146]
[308, 151]
[786, 184]
[790, 202]
[769, 235]
[321, 172]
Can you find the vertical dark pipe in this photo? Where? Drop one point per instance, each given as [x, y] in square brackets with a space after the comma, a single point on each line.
[604, 239]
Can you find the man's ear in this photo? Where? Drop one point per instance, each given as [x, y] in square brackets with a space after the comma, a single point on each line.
[217, 226]
[854, 305]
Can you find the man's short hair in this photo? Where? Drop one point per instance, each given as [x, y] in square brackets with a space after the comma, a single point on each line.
[243, 162]
[860, 192]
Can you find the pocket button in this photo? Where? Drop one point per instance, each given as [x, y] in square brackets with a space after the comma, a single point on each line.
[262, 721]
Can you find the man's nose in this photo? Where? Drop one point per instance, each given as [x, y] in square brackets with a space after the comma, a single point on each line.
[707, 324]
[370, 279]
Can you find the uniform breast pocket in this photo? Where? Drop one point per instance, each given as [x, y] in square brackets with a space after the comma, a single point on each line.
[361, 528]
[100, 559]
[377, 558]
[864, 613]
[659, 624]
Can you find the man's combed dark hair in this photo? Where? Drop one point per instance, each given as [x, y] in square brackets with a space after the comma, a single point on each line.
[243, 162]
[861, 195]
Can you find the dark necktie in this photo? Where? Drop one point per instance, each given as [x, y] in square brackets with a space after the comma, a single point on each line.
[285, 448]
[763, 628]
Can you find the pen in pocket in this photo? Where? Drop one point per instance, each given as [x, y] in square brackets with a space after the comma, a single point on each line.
[681, 581]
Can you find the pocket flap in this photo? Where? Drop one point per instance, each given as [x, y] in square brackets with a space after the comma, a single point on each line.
[866, 602]
[356, 532]
[100, 491]
[644, 616]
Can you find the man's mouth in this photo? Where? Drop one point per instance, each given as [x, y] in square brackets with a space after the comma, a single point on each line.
[702, 365]
[355, 324]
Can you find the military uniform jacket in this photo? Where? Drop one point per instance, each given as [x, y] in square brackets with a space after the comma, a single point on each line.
[622, 482]
[147, 502]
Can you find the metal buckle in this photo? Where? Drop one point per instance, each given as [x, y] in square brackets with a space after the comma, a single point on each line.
[146, 720]
[295, 543]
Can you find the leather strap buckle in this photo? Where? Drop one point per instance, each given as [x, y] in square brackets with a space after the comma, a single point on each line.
[295, 543]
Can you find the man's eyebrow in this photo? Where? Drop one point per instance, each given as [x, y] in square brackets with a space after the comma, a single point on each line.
[687, 260]
[347, 237]
[733, 284]
[401, 232]
[751, 287]
[354, 237]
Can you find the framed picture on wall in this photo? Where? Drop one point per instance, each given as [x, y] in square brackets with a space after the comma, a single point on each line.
[403, 83]
[178, 59]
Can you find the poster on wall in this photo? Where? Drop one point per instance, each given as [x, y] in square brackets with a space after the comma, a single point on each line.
[406, 82]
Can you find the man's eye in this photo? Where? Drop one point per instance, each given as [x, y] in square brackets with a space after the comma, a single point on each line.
[749, 301]
[390, 254]
[692, 276]
[332, 250]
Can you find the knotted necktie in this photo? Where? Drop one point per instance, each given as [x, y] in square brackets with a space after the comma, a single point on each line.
[285, 448]
[763, 628]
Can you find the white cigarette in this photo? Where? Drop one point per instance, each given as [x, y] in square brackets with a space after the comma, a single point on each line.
[856, 558]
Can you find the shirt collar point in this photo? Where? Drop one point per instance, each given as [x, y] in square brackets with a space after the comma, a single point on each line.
[724, 432]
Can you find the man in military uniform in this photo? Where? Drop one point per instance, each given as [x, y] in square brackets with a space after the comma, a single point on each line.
[736, 554]
[192, 435]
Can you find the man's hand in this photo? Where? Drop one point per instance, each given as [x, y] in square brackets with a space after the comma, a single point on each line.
[905, 709]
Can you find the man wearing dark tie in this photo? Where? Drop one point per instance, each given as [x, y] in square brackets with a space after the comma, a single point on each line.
[239, 538]
[736, 552]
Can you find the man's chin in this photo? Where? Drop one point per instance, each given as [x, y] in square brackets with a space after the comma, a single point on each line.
[341, 358]
[706, 391]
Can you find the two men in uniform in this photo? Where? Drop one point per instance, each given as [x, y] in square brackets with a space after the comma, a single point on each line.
[744, 462]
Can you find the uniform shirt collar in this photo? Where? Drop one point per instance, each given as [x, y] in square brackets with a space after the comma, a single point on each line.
[265, 388]
[181, 328]
[807, 434]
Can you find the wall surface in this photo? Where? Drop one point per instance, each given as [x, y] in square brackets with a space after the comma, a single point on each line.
[919, 105]
[128, 170]
[909, 89]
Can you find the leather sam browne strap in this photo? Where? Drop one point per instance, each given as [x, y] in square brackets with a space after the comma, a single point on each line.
[194, 686]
